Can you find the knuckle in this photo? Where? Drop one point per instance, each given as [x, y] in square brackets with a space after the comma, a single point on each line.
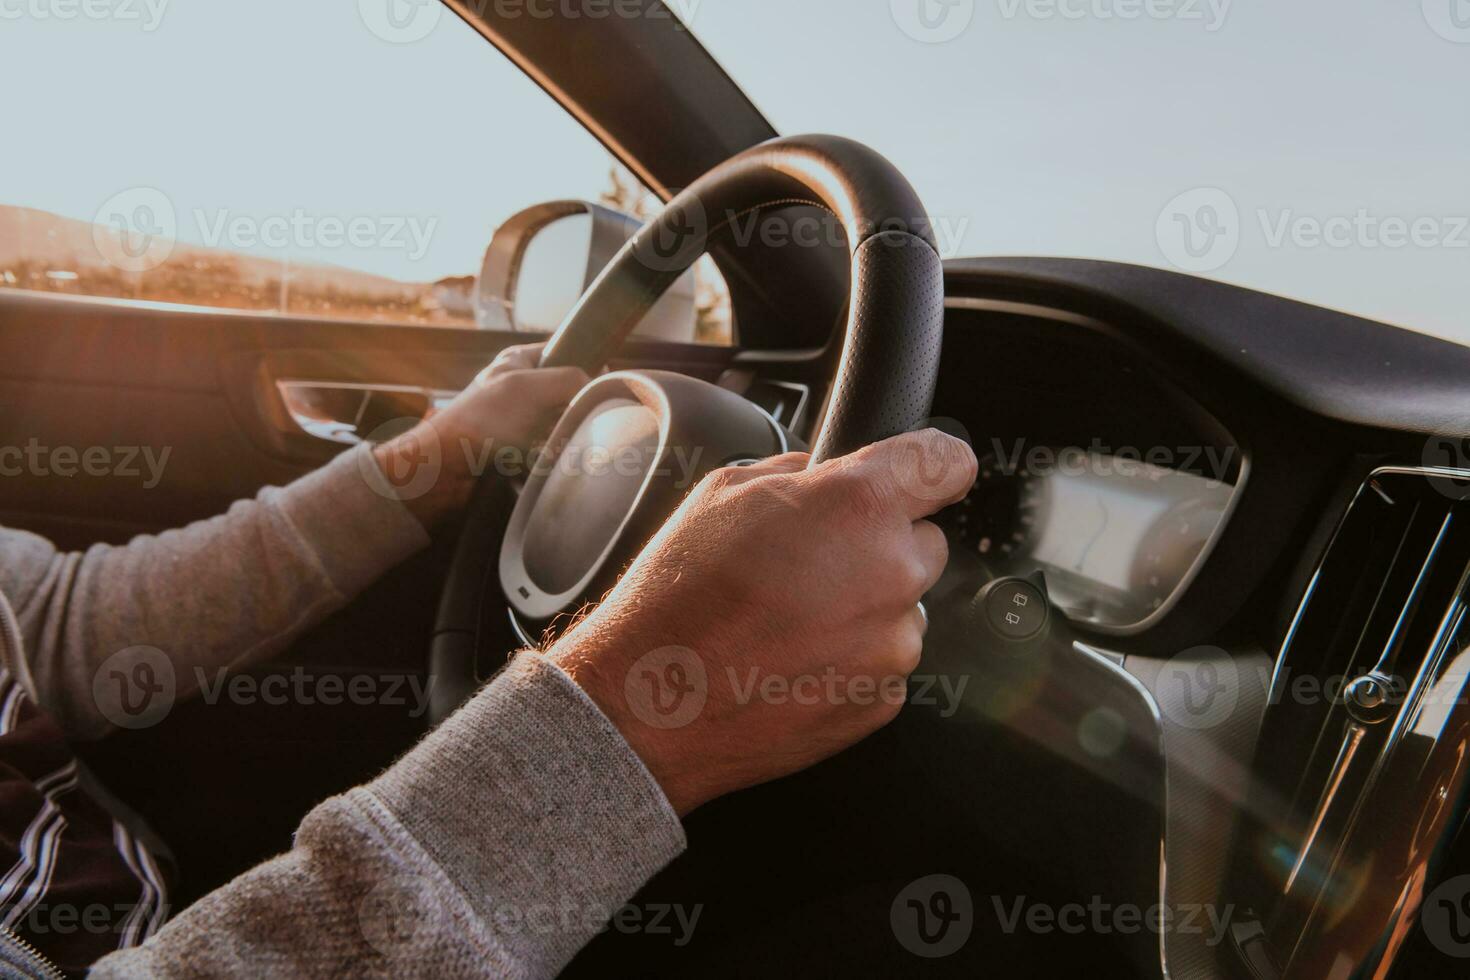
[514, 383]
[718, 482]
[911, 579]
[789, 461]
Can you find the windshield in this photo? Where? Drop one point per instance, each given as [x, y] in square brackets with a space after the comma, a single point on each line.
[1313, 149]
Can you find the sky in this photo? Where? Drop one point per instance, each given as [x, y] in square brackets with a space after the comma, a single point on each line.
[259, 110]
[1062, 128]
[1310, 148]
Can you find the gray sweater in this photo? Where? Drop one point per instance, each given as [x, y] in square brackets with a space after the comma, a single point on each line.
[497, 847]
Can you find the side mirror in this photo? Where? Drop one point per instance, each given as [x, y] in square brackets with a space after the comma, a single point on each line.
[542, 260]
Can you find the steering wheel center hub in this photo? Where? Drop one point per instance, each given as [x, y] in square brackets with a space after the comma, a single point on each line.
[620, 459]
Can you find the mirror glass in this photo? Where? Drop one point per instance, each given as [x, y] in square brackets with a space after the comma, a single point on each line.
[553, 273]
[561, 259]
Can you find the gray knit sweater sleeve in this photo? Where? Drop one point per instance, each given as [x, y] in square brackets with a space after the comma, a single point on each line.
[225, 592]
[497, 848]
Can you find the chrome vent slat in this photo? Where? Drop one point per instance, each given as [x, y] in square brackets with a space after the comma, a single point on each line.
[1327, 832]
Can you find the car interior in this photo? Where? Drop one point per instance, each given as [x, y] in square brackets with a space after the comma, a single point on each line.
[1242, 522]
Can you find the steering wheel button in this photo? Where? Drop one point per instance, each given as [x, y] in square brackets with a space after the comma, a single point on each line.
[1015, 608]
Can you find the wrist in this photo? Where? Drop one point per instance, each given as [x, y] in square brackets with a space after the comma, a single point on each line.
[601, 673]
[429, 481]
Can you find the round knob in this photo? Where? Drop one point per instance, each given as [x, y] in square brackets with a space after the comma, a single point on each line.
[1369, 698]
[1015, 609]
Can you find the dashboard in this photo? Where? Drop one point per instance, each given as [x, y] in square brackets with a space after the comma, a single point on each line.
[1254, 516]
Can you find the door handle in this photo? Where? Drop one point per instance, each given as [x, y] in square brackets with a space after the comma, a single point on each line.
[347, 413]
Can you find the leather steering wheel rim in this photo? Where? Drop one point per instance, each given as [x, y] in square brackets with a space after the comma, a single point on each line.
[886, 374]
[890, 356]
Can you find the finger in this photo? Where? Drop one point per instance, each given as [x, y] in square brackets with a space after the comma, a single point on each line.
[521, 357]
[933, 551]
[906, 650]
[919, 473]
[771, 466]
[919, 617]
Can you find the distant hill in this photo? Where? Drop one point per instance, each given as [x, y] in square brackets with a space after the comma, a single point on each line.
[41, 250]
[66, 243]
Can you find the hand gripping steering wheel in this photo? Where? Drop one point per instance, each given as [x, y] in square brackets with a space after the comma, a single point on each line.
[609, 482]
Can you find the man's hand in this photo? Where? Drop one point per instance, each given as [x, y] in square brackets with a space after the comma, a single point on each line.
[773, 621]
[507, 407]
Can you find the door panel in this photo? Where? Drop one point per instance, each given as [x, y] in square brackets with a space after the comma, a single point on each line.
[192, 390]
[201, 386]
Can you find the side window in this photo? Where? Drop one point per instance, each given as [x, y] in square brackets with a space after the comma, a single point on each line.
[305, 160]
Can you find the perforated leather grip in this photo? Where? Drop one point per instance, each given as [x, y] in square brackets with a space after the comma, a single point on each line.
[890, 358]
[889, 363]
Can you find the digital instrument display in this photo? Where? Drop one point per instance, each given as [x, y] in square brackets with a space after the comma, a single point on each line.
[1116, 537]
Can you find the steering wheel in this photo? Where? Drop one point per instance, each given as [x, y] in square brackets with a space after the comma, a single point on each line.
[611, 480]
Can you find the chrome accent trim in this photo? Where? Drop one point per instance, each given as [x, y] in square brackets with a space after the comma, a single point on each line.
[780, 431]
[799, 412]
[1351, 742]
[1413, 700]
[1113, 663]
[1409, 713]
[1277, 680]
[364, 386]
[1116, 659]
[1195, 830]
[520, 631]
[1413, 596]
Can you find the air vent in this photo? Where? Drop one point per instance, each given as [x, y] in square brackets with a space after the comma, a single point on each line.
[1381, 616]
[784, 401]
